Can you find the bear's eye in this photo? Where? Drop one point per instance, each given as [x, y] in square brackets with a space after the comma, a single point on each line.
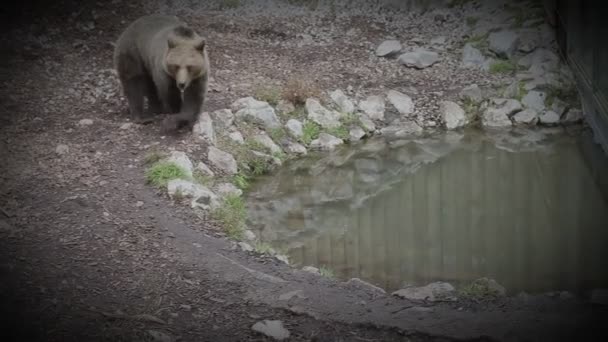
[173, 68]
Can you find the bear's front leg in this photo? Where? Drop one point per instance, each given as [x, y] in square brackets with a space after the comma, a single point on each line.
[191, 107]
[135, 89]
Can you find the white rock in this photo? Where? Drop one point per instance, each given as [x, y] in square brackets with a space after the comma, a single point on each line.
[326, 142]
[367, 123]
[62, 149]
[388, 48]
[126, 125]
[267, 142]
[503, 43]
[363, 285]
[227, 189]
[182, 161]
[204, 169]
[344, 104]
[222, 118]
[285, 107]
[534, 100]
[295, 148]
[282, 258]
[249, 235]
[223, 161]
[549, 118]
[245, 246]
[453, 115]
[203, 129]
[401, 102]
[473, 58]
[294, 128]
[201, 196]
[356, 134]
[272, 329]
[85, 122]
[420, 58]
[311, 269]
[373, 107]
[472, 92]
[321, 115]
[498, 113]
[527, 116]
[256, 112]
[433, 292]
[573, 115]
[237, 137]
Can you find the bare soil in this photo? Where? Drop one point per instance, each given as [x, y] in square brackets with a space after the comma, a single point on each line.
[89, 252]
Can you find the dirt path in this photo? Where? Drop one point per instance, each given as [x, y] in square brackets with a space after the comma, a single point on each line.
[88, 251]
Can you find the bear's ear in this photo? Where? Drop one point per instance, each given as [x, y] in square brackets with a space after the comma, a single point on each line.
[200, 46]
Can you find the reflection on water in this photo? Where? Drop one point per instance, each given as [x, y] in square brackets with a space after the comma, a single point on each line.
[523, 208]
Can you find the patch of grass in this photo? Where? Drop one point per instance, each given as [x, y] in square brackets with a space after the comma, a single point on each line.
[297, 91]
[503, 67]
[521, 91]
[232, 214]
[255, 145]
[471, 21]
[326, 272]
[479, 289]
[339, 132]
[202, 178]
[350, 119]
[298, 113]
[280, 156]
[153, 157]
[262, 247]
[270, 94]
[241, 181]
[178, 196]
[311, 131]
[162, 172]
[229, 4]
[278, 134]
[479, 41]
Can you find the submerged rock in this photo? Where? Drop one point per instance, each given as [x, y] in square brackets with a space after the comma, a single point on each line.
[401, 130]
[498, 113]
[526, 116]
[438, 291]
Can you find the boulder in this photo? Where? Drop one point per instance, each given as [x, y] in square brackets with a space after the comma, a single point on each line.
[503, 43]
[203, 128]
[388, 48]
[324, 117]
[326, 142]
[453, 115]
[294, 128]
[256, 112]
[222, 118]
[434, 292]
[420, 58]
[344, 104]
[182, 161]
[401, 102]
[373, 106]
[221, 160]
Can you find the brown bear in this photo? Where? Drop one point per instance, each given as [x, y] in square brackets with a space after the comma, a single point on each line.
[159, 57]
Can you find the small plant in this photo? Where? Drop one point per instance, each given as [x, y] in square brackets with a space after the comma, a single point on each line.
[241, 181]
[255, 145]
[470, 107]
[350, 119]
[479, 41]
[521, 91]
[339, 132]
[178, 195]
[153, 157]
[311, 131]
[270, 94]
[229, 4]
[278, 134]
[232, 214]
[280, 155]
[262, 247]
[482, 288]
[298, 113]
[503, 67]
[162, 172]
[326, 272]
[471, 21]
[297, 91]
[201, 178]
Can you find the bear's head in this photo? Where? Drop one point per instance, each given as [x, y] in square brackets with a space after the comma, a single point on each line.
[186, 58]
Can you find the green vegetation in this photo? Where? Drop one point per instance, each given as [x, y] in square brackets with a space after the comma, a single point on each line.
[479, 41]
[326, 272]
[201, 178]
[270, 94]
[481, 289]
[566, 94]
[153, 157]
[350, 119]
[262, 247]
[255, 145]
[298, 113]
[278, 134]
[521, 90]
[339, 132]
[162, 172]
[241, 181]
[311, 131]
[503, 67]
[231, 214]
[471, 21]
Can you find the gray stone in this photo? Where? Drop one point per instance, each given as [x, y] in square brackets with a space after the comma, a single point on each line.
[62, 149]
[527, 116]
[311, 269]
[85, 122]
[267, 142]
[249, 235]
[237, 137]
[245, 246]
[512, 90]
[272, 329]
[534, 100]
[285, 107]
[321, 115]
[499, 111]
[356, 134]
[221, 160]
[367, 123]
[547, 58]
[373, 107]
[222, 118]
[438, 291]
[282, 258]
[403, 129]
[326, 142]
[257, 112]
[126, 125]
[294, 128]
[529, 41]
[204, 169]
[559, 106]
[438, 42]
[203, 128]
[388, 48]
[295, 148]
[289, 295]
[359, 284]
[473, 58]
[549, 118]
[202, 197]
[419, 58]
[182, 161]
[401, 102]
[227, 189]
[503, 43]
[472, 92]
[573, 115]
[453, 115]
[344, 104]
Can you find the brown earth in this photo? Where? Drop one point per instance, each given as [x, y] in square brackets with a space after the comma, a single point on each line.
[89, 252]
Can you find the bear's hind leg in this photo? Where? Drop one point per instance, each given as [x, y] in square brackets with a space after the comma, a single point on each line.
[135, 89]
